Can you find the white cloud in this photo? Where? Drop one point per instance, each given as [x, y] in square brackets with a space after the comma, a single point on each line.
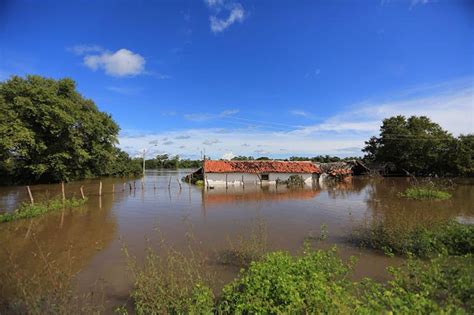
[301, 113]
[228, 156]
[182, 137]
[416, 2]
[211, 141]
[121, 63]
[218, 23]
[213, 3]
[84, 49]
[199, 117]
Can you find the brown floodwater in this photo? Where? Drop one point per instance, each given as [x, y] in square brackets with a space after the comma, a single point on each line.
[95, 233]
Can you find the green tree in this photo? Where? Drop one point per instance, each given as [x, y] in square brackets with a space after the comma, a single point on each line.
[419, 146]
[49, 133]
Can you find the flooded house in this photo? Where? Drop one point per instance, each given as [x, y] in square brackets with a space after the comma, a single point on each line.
[221, 173]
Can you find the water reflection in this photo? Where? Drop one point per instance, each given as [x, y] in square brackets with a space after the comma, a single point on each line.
[70, 239]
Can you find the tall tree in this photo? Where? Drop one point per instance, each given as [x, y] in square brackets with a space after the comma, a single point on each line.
[49, 132]
[419, 146]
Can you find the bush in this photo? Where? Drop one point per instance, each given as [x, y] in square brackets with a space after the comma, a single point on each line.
[28, 210]
[442, 285]
[317, 283]
[451, 238]
[281, 283]
[424, 193]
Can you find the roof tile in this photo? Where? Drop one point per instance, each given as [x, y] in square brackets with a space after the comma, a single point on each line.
[257, 167]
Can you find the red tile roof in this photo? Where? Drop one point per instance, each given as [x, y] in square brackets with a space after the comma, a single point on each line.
[257, 167]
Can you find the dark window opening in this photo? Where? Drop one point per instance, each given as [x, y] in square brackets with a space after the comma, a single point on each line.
[265, 177]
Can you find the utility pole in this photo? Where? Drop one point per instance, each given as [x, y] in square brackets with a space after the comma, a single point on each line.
[144, 153]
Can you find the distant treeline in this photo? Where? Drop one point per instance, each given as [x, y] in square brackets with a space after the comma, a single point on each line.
[50, 133]
[171, 162]
[316, 159]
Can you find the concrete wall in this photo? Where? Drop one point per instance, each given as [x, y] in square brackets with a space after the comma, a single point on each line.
[218, 179]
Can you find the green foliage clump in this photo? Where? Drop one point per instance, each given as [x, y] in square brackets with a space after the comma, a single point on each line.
[425, 193]
[281, 283]
[317, 282]
[50, 133]
[440, 286]
[450, 238]
[421, 147]
[294, 181]
[28, 210]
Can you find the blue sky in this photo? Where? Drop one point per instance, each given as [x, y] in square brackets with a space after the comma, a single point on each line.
[274, 78]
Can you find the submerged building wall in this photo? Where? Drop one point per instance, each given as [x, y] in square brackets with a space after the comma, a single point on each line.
[219, 179]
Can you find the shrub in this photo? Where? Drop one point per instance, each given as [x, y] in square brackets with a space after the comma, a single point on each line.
[425, 193]
[442, 285]
[420, 240]
[317, 283]
[295, 181]
[27, 210]
[281, 283]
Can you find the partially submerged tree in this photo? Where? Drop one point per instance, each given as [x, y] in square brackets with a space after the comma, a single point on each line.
[49, 133]
[419, 146]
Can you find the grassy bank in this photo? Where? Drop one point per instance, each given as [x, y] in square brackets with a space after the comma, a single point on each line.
[425, 193]
[27, 210]
[420, 239]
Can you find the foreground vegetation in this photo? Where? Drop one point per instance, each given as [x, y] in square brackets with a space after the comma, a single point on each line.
[51, 133]
[28, 210]
[315, 281]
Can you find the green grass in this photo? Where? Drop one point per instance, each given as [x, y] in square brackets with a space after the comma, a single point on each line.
[27, 210]
[420, 239]
[425, 193]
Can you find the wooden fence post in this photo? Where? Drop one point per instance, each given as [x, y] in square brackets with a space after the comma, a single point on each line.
[82, 193]
[63, 192]
[225, 181]
[31, 195]
[113, 188]
[169, 183]
[100, 188]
